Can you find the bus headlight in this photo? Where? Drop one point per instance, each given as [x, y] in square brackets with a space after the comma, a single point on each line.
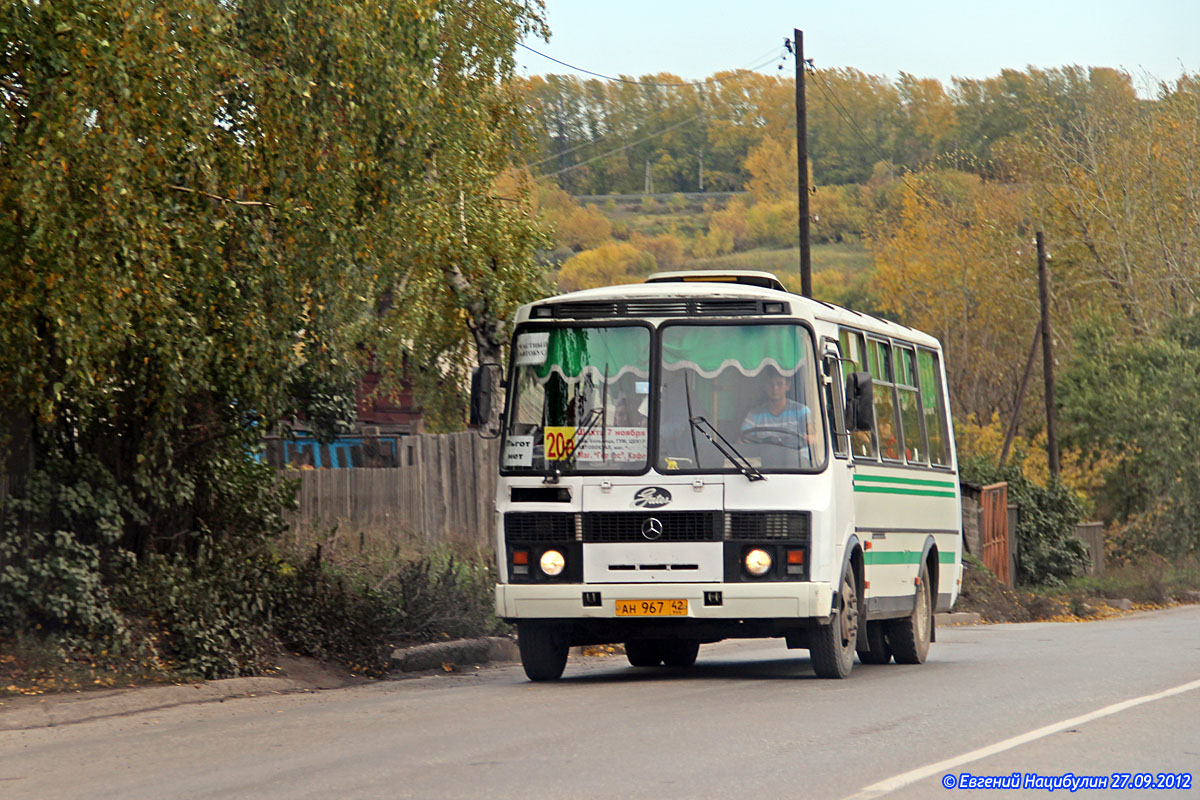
[552, 563]
[758, 562]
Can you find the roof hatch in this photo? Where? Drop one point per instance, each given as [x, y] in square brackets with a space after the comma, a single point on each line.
[764, 280]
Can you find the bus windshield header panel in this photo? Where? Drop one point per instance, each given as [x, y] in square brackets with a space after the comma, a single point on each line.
[579, 398]
[752, 385]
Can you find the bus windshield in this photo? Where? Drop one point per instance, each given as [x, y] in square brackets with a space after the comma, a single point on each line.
[755, 385]
[579, 400]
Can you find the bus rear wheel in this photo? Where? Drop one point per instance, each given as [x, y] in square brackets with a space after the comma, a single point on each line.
[910, 636]
[873, 647]
[543, 649]
[643, 652]
[679, 652]
[832, 646]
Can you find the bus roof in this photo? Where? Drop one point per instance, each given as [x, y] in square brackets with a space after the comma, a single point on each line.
[676, 291]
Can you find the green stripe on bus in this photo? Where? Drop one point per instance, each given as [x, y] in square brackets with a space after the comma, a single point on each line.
[891, 557]
[885, 557]
[890, 490]
[903, 481]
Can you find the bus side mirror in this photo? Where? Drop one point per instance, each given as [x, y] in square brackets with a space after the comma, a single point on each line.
[860, 401]
[485, 379]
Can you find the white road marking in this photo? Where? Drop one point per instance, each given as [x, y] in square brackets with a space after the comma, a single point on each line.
[904, 779]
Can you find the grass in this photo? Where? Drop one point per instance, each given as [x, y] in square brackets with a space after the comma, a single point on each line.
[848, 258]
[1155, 580]
[1153, 583]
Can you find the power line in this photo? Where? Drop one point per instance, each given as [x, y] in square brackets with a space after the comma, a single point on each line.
[597, 140]
[841, 111]
[705, 82]
[622, 147]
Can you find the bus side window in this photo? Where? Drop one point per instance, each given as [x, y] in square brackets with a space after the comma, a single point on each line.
[887, 431]
[933, 407]
[910, 413]
[834, 410]
[854, 348]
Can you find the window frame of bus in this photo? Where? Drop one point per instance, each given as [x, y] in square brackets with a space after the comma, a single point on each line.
[940, 410]
[899, 349]
[859, 338]
[656, 388]
[534, 326]
[834, 394]
[878, 346]
[858, 356]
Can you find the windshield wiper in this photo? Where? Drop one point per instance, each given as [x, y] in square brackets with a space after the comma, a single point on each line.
[554, 473]
[588, 426]
[727, 449]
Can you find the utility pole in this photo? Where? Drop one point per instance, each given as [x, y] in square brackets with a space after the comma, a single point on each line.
[1047, 358]
[802, 163]
[700, 171]
[649, 181]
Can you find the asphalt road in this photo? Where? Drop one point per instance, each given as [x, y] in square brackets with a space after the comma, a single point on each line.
[749, 720]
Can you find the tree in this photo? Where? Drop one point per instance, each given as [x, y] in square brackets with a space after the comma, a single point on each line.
[608, 264]
[1137, 402]
[466, 255]
[204, 205]
[955, 260]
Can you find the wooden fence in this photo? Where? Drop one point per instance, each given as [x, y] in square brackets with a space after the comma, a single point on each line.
[994, 500]
[444, 490]
[1092, 535]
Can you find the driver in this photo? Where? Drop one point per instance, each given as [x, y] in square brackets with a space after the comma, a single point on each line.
[780, 420]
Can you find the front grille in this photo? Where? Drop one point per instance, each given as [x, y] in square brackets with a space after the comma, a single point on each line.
[660, 308]
[677, 526]
[532, 527]
[768, 525]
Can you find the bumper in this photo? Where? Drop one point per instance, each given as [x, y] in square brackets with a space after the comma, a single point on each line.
[739, 601]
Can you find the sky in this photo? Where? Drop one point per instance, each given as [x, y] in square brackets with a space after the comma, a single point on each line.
[1151, 39]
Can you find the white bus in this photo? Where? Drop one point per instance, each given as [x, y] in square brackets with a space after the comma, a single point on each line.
[707, 456]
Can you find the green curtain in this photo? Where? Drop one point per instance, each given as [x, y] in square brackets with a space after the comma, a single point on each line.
[710, 348]
[572, 352]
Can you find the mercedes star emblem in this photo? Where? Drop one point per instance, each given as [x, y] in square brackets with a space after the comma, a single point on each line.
[652, 529]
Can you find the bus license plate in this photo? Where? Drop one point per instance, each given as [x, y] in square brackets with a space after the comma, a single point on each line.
[652, 608]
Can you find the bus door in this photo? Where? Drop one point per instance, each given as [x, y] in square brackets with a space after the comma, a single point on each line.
[841, 465]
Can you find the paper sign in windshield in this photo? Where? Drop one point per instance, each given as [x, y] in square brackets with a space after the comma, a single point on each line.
[616, 445]
[518, 451]
[532, 348]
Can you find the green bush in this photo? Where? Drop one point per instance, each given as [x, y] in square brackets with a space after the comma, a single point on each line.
[353, 614]
[55, 550]
[211, 613]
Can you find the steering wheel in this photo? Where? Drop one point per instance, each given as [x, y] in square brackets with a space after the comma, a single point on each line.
[769, 434]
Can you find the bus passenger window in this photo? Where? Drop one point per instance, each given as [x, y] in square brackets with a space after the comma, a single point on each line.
[933, 407]
[862, 443]
[834, 410]
[887, 430]
[910, 412]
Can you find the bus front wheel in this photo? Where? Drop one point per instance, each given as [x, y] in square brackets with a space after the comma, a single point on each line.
[543, 650]
[833, 644]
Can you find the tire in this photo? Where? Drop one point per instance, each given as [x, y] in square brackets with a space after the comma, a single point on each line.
[643, 652]
[679, 652]
[873, 646]
[910, 636]
[543, 650]
[833, 645]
